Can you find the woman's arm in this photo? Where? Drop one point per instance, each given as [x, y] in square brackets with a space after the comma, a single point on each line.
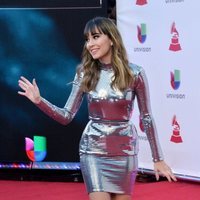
[142, 93]
[61, 115]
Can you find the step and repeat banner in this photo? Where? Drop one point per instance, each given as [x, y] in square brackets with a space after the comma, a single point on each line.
[41, 39]
[162, 37]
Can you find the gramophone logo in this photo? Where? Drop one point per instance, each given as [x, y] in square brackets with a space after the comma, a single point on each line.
[175, 79]
[36, 149]
[142, 33]
[174, 46]
[176, 137]
[141, 2]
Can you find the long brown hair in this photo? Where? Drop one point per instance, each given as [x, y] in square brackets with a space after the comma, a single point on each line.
[123, 76]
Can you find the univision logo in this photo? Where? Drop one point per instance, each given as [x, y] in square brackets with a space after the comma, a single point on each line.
[175, 79]
[175, 82]
[142, 33]
[36, 149]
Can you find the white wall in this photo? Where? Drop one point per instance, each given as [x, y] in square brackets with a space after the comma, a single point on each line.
[159, 62]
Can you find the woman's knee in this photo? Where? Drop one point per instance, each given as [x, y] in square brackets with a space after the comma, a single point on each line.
[100, 196]
[121, 197]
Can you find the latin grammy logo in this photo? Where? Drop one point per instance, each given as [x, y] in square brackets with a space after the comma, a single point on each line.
[141, 2]
[176, 137]
[174, 46]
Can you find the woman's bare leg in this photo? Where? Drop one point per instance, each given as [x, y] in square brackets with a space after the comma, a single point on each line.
[100, 196]
[121, 197]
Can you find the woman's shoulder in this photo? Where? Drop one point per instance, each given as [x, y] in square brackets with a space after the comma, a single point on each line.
[136, 69]
[79, 70]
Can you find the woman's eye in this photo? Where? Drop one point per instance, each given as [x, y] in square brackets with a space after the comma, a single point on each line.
[96, 36]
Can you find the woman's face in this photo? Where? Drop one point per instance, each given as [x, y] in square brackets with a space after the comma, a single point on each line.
[99, 46]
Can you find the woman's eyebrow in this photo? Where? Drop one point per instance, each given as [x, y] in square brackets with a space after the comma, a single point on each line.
[96, 33]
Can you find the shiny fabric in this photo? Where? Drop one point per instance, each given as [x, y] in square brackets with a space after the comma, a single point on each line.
[114, 174]
[109, 133]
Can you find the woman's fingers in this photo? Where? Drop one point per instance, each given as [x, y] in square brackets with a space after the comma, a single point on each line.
[35, 85]
[34, 82]
[26, 85]
[157, 175]
[168, 174]
[161, 168]
[31, 90]
[172, 177]
[21, 93]
[168, 177]
[25, 80]
[22, 85]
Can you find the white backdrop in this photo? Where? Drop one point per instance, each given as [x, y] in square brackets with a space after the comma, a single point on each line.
[162, 37]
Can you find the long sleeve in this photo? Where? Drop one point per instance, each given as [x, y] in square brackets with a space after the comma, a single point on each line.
[142, 93]
[66, 114]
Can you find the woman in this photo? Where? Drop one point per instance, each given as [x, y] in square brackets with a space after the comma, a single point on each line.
[108, 147]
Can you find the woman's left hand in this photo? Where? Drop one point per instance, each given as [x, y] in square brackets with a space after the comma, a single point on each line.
[162, 168]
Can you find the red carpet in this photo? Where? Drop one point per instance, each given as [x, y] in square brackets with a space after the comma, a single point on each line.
[32, 190]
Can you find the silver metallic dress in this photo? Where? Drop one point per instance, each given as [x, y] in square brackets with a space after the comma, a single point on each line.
[109, 144]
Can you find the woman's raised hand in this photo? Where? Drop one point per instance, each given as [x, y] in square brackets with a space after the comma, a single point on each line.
[30, 90]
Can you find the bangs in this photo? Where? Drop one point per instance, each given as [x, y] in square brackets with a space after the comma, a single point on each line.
[91, 28]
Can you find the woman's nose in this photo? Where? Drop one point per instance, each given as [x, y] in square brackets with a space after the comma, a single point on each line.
[90, 43]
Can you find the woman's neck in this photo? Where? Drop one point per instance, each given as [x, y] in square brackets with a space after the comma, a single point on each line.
[106, 65]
